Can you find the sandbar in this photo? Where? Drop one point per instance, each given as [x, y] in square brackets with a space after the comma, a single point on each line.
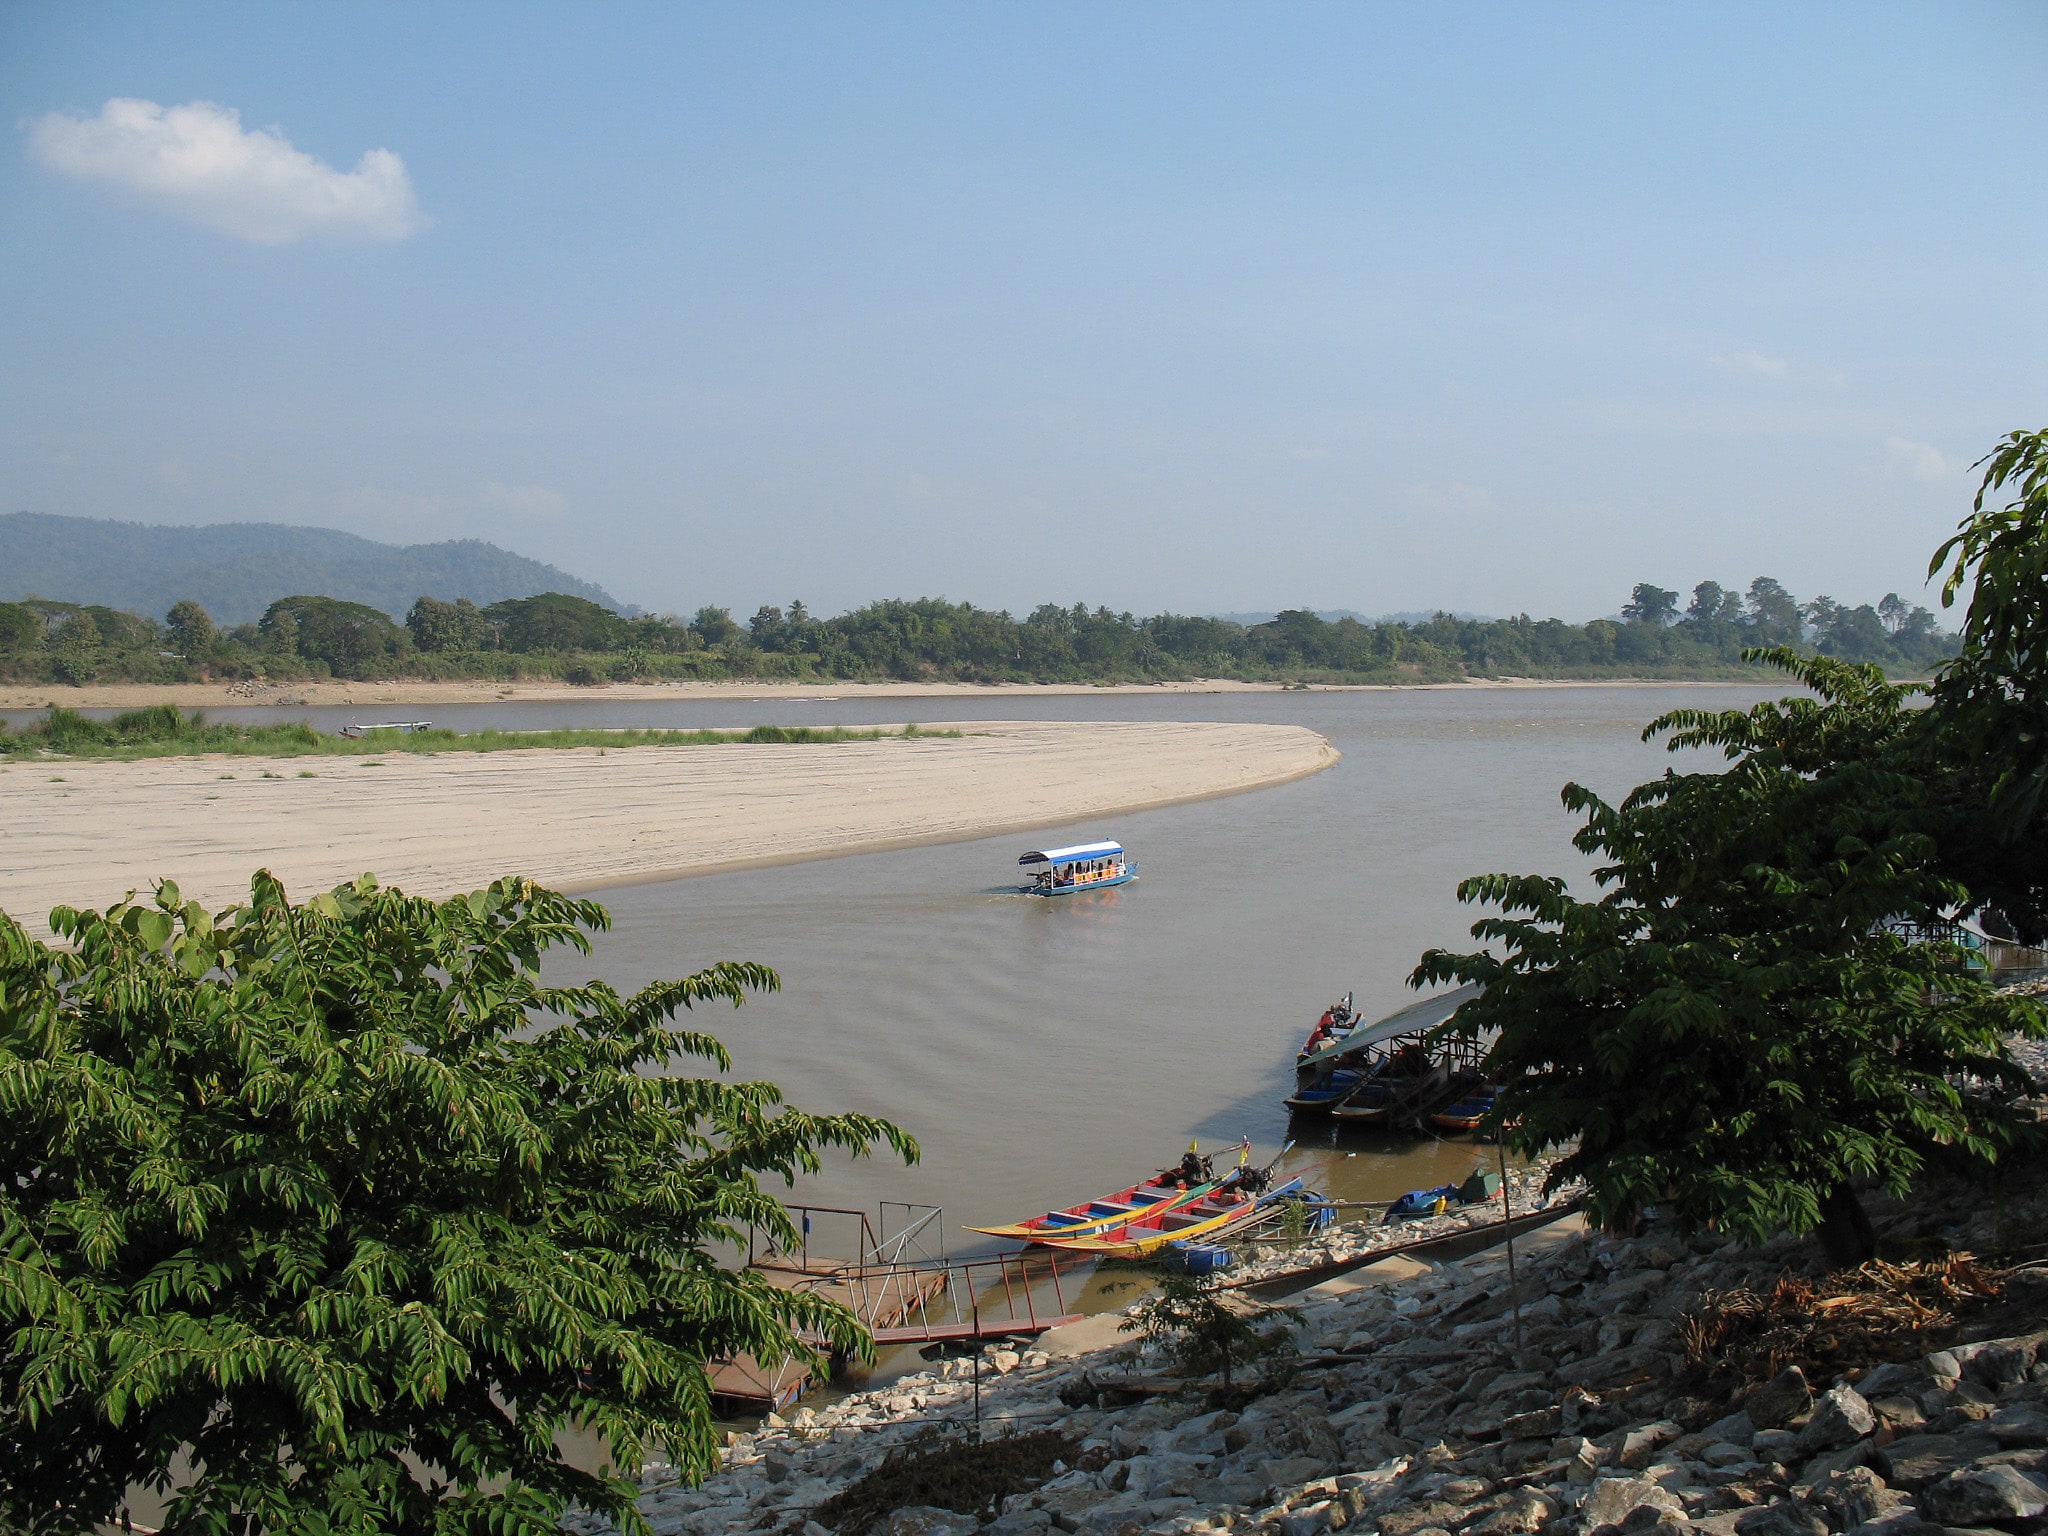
[82, 833]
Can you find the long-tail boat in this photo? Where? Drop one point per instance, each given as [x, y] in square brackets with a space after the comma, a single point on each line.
[1214, 1215]
[1465, 1114]
[1092, 1217]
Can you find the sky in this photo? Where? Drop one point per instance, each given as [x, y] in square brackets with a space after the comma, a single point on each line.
[1190, 307]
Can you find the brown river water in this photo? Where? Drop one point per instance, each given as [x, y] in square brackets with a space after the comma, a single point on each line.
[1042, 1051]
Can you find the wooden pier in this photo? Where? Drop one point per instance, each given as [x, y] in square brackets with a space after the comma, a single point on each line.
[901, 1297]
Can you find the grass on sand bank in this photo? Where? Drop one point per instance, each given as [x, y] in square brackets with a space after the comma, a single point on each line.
[161, 731]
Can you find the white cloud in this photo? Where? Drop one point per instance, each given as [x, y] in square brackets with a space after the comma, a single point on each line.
[1752, 362]
[199, 163]
[1924, 460]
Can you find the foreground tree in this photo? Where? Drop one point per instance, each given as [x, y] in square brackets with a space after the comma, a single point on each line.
[1987, 732]
[1750, 1018]
[343, 1203]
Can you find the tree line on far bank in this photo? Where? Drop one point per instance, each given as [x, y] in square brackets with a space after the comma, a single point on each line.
[562, 636]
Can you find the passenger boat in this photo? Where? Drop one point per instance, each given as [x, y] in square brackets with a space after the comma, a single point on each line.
[1335, 1025]
[1213, 1216]
[1464, 1115]
[1083, 867]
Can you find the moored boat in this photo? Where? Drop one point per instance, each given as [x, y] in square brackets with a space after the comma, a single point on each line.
[1212, 1217]
[1092, 1217]
[1083, 867]
[1335, 1025]
[1464, 1115]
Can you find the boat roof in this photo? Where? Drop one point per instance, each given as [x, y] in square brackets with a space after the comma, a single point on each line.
[1412, 1020]
[1078, 851]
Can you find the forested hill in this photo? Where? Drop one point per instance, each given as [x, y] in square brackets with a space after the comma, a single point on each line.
[237, 570]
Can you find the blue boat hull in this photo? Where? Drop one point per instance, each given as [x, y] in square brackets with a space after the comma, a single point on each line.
[1129, 874]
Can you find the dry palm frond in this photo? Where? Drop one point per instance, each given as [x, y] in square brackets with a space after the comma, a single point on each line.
[1853, 1316]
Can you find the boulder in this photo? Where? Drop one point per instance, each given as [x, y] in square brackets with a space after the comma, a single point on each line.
[1787, 1517]
[1018, 1522]
[1639, 1446]
[929, 1520]
[1524, 1514]
[1410, 1519]
[1311, 1519]
[1780, 1400]
[1543, 1423]
[1914, 1461]
[1987, 1494]
[2019, 1425]
[1854, 1497]
[1612, 1500]
[1841, 1417]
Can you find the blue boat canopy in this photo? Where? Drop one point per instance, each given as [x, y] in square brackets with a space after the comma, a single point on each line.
[1412, 1020]
[1074, 854]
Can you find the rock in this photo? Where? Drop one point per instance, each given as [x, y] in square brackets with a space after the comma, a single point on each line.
[1841, 1417]
[1311, 1520]
[1917, 1460]
[929, 1520]
[1779, 1400]
[1291, 1470]
[1827, 1463]
[1639, 1446]
[1068, 1505]
[1898, 1414]
[1612, 1499]
[2019, 1425]
[1944, 1367]
[1774, 1444]
[1412, 1519]
[1523, 1515]
[1991, 1493]
[1543, 1423]
[1018, 1522]
[1787, 1517]
[1854, 1497]
[1996, 1362]
[1908, 1376]
[1725, 1453]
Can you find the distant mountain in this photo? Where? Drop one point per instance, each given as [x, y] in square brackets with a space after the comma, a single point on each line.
[1332, 615]
[236, 570]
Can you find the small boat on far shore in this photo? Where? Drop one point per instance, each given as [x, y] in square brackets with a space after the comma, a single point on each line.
[408, 726]
[1083, 867]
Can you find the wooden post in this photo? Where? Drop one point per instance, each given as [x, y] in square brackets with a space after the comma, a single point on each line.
[1507, 1218]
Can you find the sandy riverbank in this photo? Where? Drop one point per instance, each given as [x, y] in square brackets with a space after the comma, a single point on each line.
[81, 833]
[403, 696]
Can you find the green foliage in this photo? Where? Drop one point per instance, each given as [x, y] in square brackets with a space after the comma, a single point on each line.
[1993, 698]
[555, 621]
[344, 1202]
[457, 626]
[162, 731]
[20, 629]
[1747, 1020]
[188, 630]
[1206, 1333]
[562, 635]
[351, 639]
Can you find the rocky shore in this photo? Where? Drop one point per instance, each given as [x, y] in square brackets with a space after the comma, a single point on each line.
[1440, 1399]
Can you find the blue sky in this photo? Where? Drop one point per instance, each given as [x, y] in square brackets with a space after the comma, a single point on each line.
[1203, 307]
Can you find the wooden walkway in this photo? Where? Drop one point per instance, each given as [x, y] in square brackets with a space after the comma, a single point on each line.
[922, 1301]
